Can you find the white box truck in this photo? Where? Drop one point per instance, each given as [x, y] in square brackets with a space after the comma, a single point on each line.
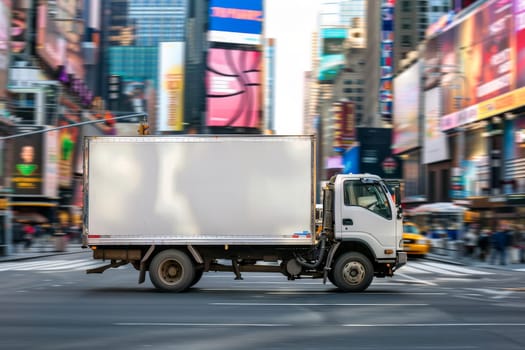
[179, 206]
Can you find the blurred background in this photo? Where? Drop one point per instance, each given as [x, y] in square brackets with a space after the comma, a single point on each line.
[427, 94]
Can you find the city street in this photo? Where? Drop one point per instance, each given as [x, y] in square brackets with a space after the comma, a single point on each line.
[50, 303]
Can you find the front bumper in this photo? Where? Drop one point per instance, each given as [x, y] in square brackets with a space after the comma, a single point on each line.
[401, 259]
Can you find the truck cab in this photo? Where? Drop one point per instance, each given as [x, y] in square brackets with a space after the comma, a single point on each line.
[367, 213]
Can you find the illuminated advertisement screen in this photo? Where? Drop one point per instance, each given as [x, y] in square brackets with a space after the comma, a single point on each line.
[233, 87]
[435, 141]
[67, 142]
[347, 123]
[387, 56]
[233, 21]
[406, 102]
[484, 62]
[519, 33]
[18, 26]
[171, 94]
[50, 46]
[28, 167]
[332, 53]
[4, 47]
[72, 31]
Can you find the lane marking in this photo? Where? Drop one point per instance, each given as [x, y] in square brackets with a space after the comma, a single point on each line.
[315, 304]
[170, 324]
[355, 325]
[435, 325]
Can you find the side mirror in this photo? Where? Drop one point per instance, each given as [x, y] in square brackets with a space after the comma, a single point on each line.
[397, 196]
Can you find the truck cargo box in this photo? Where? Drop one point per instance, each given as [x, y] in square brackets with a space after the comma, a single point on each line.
[247, 190]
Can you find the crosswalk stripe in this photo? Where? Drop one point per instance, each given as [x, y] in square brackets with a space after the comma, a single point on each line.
[433, 269]
[457, 268]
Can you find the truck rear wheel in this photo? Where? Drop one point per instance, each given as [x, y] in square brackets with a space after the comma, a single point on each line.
[172, 270]
[353, 272]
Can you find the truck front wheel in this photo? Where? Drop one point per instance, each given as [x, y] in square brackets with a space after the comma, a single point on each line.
[353, 272]
[172, 270]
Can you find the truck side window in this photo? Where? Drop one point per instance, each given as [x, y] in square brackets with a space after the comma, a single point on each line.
[369, 196]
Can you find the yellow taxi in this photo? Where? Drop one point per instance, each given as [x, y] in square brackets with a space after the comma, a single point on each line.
[415, 244]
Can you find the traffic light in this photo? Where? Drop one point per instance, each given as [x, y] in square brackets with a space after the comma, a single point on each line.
[143, 128]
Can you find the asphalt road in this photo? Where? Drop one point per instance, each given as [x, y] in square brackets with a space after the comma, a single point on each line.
[50, 303]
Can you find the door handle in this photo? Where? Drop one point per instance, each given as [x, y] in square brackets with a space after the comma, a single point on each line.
[348, 222]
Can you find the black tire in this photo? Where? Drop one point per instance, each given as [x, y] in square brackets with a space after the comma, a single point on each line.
[197, 277]
[353, 272]
[172, 271]
[330, 276]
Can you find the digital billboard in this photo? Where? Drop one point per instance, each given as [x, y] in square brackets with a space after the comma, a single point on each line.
[28, 167]
[68, 139]
[50, 46]
[19, 19]
[234, 21]
[387, 57]
[171, 87]
[233, 88]
[72, 31]
[332, 57]
[406, 109]
[5, 9]
[435, 141]
[483, 62]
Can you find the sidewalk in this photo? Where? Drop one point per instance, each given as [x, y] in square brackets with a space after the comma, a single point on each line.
[474, 262]
[48, 246]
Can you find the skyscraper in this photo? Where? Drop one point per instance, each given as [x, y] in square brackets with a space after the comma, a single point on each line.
[136, 27]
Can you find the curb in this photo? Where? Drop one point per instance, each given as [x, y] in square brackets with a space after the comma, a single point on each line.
[29, 256]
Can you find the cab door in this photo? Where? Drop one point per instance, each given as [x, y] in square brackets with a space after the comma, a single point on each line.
[367, 214]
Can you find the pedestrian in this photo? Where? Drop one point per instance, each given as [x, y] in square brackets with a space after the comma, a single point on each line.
[29, 234]
[484, 244]
[500, 242]
[471, 240]
[519, 242]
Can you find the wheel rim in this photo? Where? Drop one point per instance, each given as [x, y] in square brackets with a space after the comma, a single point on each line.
[170, 271]
[354, 272]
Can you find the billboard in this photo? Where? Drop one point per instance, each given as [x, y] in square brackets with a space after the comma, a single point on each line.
[343, 125]
[238, 22]
[5, 13]
[435, 141]
[332, 57]
[233, 88]
[28, 167]
[387, 57]
[68, 139]
[171, 87]
[406, 108]
[50, 45]
[19, 28]
[484, 62]
[72, 31]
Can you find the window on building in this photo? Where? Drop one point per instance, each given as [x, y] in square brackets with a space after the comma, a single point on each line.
[406, 6]
[406, 41]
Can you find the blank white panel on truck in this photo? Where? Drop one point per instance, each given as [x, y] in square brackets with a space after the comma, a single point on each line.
[199, 189]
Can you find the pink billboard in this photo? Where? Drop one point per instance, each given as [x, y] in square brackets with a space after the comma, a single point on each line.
[233, 88]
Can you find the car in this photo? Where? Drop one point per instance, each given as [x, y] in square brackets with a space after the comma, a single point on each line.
[415, 244]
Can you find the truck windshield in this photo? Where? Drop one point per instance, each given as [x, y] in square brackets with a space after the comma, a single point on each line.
[370, 196]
